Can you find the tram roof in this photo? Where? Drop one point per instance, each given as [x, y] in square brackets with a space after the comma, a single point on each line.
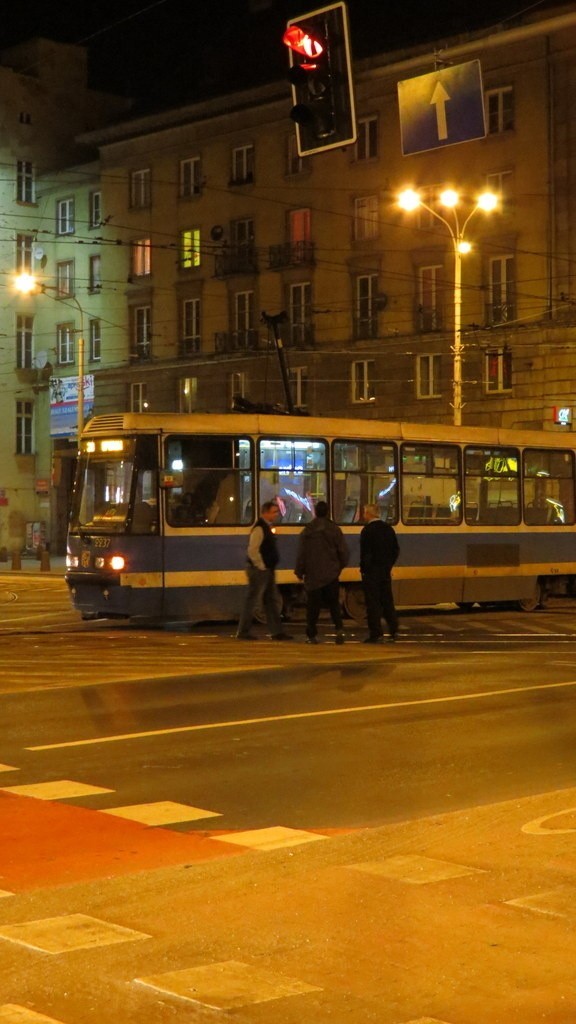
[317, 426]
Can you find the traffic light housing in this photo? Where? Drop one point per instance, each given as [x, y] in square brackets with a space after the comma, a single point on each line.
[321, 79]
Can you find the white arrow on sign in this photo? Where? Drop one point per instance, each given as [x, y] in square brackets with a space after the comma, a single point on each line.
[439, 99]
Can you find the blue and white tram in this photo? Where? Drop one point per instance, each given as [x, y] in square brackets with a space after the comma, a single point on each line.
[163, 505]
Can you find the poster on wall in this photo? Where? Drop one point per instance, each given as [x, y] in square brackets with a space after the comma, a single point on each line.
[64, 404]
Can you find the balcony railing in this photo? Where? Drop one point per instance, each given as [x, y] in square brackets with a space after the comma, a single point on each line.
[365, 327]
[226, 342]
[190, 346]
[298, 335]
[290, 254]
[500, 313]
[238, 260]
[429, 318]
[141, 352]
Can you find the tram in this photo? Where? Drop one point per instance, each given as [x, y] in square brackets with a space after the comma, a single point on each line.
[163, 505]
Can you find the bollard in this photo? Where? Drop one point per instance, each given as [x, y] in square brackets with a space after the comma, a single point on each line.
[39, 553]
[3, 554]
[45, 561]
[16, 560]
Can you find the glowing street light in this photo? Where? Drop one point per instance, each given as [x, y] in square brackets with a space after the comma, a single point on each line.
[410, 200]
[27, 284]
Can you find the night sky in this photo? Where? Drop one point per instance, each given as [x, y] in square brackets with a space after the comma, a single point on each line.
[178, 50]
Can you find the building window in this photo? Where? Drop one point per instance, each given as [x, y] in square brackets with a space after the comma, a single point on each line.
[500, 110]
[366, 318]
[191, 331]
[95, 341]
[24, 342]
[295, 164]
[367, 141]
[141, 257]
[65, 279]
[242, 165]
[24, 245]
[187, 394]
[365, 218]
[299, 386]
[190, 183]
[498, 370]
[138, 397]
[236, 388]
[140, 188]
[501, 290]
[65, 217]
[190, 248]
[245, 335]
[363, 380]
[25, 182]
[299, 230]
[500, 183]
[300, 313]
[141, 331]
[95, 273]
[95, 210]
[429, 313]
[428, 376]
[24, 427]
[242, 233]
[65, 343]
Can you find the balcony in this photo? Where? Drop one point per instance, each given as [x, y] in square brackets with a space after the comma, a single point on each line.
[298, 335]
[500, 313]
[429, 318]
[291, 254]
[230, 342]
[236, 260]
[365, 327]
[189, 346]
[141, 352]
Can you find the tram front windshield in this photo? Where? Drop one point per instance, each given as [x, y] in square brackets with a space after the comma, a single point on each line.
[116, 486]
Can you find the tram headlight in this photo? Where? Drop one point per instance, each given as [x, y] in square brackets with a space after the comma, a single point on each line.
[99, 563]
[117, 563]
[72, 561]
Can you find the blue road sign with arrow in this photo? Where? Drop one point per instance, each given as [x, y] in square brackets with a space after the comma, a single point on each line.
[442, 108]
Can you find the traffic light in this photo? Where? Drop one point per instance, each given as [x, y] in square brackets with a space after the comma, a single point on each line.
[321, 79]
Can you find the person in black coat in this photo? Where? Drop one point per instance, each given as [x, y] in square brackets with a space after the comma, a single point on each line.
[322, 554]
[379, 550]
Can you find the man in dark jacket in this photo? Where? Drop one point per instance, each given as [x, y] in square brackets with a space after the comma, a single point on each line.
[261, 561]
[378, 552]
[322, 554]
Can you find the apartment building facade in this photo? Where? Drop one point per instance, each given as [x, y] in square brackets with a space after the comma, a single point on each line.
[210, 225]
[46, 102]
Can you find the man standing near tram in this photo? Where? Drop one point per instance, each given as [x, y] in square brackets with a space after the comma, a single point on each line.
[261, 561]
[379, 550]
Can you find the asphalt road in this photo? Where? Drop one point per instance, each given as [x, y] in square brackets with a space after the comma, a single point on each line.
[370, 834]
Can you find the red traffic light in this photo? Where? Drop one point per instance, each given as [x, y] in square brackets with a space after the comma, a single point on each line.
[303, 42]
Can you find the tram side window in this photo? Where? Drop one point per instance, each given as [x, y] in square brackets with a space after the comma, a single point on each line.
[492, 492]
[293, 474]
[364, 472]
[431, 485]
[144, 518]
[548, 487]
[217, 480]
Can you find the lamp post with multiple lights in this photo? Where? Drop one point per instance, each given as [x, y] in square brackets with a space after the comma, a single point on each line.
[27, 284]
[449, 199]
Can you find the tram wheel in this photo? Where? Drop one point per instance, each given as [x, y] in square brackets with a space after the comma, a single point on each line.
[354, 603]
[536, 600]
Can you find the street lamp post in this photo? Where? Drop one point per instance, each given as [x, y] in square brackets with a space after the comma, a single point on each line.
[27, 284]
[410, 200]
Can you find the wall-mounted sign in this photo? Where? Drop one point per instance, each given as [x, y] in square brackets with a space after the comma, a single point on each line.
[563, 415]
